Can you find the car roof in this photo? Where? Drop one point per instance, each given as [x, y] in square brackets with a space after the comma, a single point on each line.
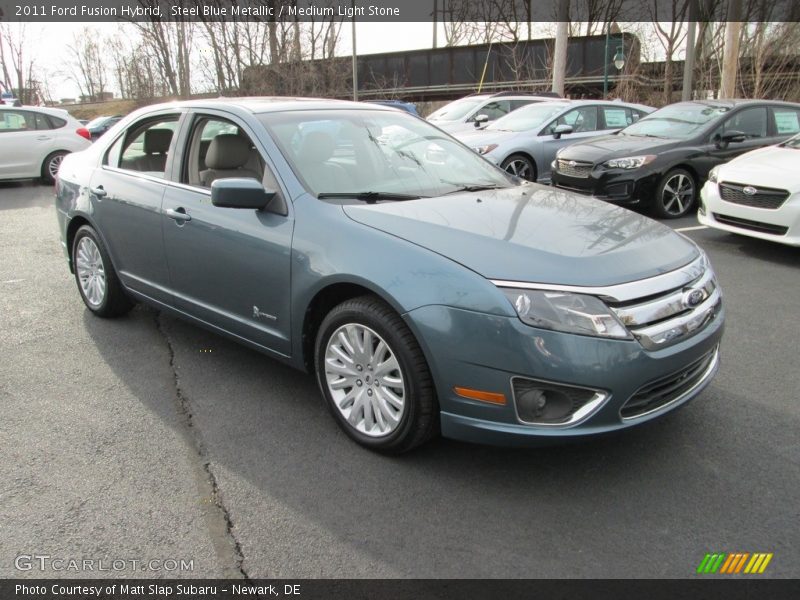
[269, 104]
[56, 112]
[733, 102]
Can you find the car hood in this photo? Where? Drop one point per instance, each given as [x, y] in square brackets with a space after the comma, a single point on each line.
[606, 147]
[535, 234]
[772, 167]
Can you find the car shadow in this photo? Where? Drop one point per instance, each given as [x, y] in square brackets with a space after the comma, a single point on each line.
[265, 423]
[24, 194]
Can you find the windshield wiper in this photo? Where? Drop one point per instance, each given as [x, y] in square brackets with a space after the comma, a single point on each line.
[369, 197]
[475, 188]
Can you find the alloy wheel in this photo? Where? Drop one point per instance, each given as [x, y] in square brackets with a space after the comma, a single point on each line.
[91, 271]
[53, 164]
[677, 194]
[519, 167]
[365, 380]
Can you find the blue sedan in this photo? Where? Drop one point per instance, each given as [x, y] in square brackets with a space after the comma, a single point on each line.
[427, 290]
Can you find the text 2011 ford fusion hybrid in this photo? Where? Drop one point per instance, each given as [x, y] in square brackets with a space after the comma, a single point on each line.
[427, 290]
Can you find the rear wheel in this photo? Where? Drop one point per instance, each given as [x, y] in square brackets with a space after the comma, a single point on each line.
[675, 195]
[374, 376]
[521, 166]
[51, 164]
[97, 281]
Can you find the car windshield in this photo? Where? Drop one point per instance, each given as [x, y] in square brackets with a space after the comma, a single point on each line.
[677, 121]
[792, 142]
[374, 154]
[97, 122]
[528, 117]
[455, 110]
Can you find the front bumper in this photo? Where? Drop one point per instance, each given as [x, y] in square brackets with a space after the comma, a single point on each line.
[473, 350]
[780, 225]
[620, 186]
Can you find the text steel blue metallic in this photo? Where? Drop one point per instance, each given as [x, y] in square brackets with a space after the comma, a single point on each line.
[428, 290]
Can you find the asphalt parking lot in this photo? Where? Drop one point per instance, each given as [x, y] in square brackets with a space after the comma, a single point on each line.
[145, 438]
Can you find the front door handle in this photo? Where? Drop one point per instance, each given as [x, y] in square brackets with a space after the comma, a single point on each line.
[179, 214]
[99, 191]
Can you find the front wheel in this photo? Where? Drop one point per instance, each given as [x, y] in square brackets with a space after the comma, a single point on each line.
[675, 194]
[97, 281]
[51, 164]
[374, 376]
[521, 166]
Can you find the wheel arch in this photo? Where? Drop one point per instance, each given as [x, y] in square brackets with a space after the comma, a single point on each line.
[74, 224]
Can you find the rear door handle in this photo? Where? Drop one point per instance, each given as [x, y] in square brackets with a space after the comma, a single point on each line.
[44, 138]
[179, 214]
[99, 191]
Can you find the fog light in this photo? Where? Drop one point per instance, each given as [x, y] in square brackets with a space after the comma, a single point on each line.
[543, 403]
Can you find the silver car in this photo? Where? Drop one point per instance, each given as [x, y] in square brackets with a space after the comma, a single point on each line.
[525, 142]
[473, 112]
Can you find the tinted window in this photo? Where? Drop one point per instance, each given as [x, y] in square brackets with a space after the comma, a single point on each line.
[581, 119]
[751, 121]
[41, 121]
[787, 120]
[495, 109]
[57, 123]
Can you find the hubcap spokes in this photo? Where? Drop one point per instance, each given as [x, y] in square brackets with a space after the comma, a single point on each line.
[678, 193]
[365, 380]
[91, 271]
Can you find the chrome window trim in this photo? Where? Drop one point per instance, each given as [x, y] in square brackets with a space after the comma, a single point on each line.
[623, 292]
[704, 378]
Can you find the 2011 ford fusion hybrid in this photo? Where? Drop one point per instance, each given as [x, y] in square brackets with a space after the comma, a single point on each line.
[427, 290]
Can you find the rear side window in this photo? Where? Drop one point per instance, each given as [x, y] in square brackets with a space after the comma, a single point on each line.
[787, 120]
[144, 148]
[617, 117]
[56, 122]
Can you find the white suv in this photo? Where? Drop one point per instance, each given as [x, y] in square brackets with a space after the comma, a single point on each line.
[34, 140]
[472, 112]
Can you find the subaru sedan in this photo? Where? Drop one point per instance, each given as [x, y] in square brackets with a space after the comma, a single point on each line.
[426, 289]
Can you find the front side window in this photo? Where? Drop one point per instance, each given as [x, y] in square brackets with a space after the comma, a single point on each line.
[580, 119]
[144, 148]
[750, 121]
[380, 152]
[494, 110]
[220, 149]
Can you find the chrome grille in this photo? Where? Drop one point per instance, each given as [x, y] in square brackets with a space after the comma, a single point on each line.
[761, 197]
[670, 389]
[675, 313]
[574, 168]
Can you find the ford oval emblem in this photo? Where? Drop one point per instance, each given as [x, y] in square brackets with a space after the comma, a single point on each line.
[693, 298]
[749, 190]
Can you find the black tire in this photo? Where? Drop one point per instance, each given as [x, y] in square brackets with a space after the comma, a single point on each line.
[419, 419]
[520, 166]
[676, 194]
[51, 164]
[113, 302]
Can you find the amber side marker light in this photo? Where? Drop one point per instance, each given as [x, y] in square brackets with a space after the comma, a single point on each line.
[490, 397]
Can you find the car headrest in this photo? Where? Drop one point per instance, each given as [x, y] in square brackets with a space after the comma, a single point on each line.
[317, 147]
[227, 151]
[156, 141]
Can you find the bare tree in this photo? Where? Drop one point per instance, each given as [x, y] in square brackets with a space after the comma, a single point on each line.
[16, 56]
[670, 35]
[87, 63]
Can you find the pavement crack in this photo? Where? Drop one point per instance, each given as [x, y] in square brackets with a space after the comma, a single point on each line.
[216, 514]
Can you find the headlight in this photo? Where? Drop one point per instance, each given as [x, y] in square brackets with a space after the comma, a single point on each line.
[485, 149]
[630, 162]
[713, 174]
[564, 311]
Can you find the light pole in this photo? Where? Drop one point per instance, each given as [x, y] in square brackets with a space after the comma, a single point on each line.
[619, 59]
[355, 55]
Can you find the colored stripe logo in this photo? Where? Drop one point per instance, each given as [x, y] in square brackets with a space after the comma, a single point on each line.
[734, 563]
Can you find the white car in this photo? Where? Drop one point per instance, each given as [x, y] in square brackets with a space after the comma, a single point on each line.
[472, 112]
[34, 140]
[756, 194]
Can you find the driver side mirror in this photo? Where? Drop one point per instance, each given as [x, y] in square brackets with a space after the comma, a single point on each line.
[728, 137]
[562, 130]
[481, 120]
[240, 192]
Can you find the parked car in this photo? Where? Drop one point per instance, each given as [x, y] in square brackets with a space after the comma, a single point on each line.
[34, 140]
[758, 193]
[525, 141]
[9, 99]
[409, 107]
[478, 110]
[99, 125]
[427, 289]
[661, 161]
